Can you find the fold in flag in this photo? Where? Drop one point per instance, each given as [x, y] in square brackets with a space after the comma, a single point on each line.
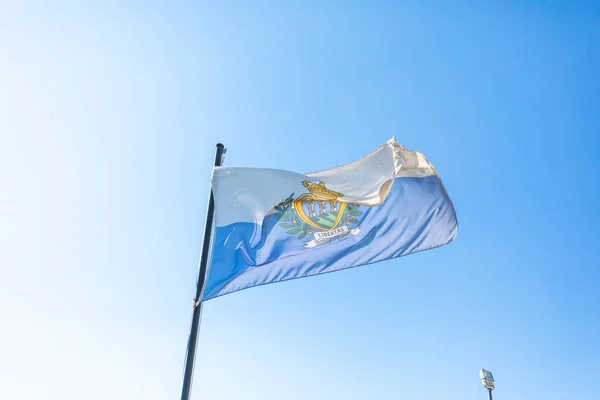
[273, 225]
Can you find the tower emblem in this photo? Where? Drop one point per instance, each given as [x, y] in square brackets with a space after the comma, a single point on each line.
[318, 214]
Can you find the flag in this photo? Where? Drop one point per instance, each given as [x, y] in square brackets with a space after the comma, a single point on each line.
[274, 225]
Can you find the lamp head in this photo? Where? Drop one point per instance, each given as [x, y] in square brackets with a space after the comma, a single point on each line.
[487, 379]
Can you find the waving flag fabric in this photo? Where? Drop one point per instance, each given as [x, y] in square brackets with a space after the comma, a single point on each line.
[273, 225]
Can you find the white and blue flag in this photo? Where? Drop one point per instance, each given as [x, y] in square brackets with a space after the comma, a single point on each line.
[273, 225]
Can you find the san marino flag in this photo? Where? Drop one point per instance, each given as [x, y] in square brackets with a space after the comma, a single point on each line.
[273, 225]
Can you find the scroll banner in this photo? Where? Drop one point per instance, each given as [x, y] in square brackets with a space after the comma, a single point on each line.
[322, 237]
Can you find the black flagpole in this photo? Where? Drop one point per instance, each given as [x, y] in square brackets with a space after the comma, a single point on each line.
[191, 347]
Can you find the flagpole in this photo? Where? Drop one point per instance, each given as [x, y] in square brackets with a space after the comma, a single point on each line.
[191, 347]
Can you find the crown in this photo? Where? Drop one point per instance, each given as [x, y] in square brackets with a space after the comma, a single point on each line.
[319, 191]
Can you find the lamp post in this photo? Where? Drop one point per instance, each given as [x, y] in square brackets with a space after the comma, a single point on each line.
[487, 379]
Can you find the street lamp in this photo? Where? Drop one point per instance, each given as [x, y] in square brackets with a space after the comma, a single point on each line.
[487, 379]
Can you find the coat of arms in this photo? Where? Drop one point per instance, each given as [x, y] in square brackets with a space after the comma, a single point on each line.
[318, 214]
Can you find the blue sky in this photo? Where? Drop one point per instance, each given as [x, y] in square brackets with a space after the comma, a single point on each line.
[109, 113]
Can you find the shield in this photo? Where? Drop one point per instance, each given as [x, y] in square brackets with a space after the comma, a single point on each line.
[323, 214]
